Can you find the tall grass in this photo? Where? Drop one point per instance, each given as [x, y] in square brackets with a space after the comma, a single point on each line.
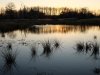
[9, 46]
[96, 70]
[33, 51]
[95, 51]
[90, 47]
[9, 58]
[57, 44]
[47, 48]
[80, 47]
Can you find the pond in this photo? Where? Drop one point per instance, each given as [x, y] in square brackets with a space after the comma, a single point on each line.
[50, 50]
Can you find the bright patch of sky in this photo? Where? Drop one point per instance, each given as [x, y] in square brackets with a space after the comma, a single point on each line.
[91, 4]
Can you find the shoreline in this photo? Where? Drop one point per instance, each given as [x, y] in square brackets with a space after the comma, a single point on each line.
[67, 21]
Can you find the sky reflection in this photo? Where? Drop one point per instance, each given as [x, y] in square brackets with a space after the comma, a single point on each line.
[51, 50]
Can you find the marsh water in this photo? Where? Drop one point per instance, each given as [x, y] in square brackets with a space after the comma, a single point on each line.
[50, 50]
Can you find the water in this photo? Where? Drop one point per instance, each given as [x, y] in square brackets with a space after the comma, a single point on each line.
[50, 50]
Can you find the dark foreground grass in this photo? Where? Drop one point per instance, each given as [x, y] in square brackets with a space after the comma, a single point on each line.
[91, 48]
[69, 21]
[9, 60]
[47, 48]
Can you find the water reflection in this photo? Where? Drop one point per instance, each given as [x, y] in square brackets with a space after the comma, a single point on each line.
[47, 29]
[59, 28]
[41, 42]
[23, 42]
[3, 35]
[12, 35]
[91, 48]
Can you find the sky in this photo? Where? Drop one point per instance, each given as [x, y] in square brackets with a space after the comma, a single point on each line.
[91, 4]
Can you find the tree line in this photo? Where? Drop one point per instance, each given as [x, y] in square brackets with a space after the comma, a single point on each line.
[43, 13]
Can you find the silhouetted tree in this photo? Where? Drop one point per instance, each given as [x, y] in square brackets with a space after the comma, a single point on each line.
[45, 12]
[2, 11]
[82, 13]
[10, 11]
[23, 13]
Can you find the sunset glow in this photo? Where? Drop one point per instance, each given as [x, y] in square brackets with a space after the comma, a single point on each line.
[91, 4]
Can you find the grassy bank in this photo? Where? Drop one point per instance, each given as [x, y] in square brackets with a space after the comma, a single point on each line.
[69, 21]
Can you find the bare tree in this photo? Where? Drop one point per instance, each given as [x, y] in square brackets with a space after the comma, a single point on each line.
[10, 11]
[10, 6]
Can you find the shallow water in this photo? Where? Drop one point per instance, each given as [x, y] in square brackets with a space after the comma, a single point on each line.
[49, 50]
